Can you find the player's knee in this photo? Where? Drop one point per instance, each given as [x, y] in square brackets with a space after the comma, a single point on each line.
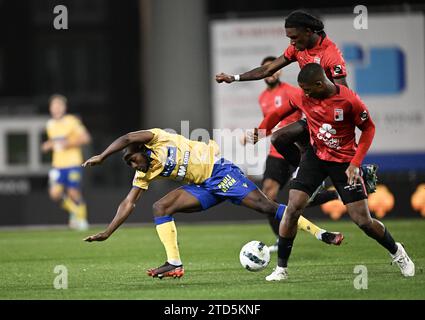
[365, 225]
[278, 139]
[270, 192]
[74, 195]
[55, 195]
[291, 216]
[159, 209]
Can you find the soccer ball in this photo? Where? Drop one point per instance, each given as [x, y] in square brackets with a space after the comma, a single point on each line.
[254, 256]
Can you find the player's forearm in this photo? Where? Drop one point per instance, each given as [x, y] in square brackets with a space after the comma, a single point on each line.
[124, 210]
[118, 145]
[365, 142]
[255, 74]
[269, 122]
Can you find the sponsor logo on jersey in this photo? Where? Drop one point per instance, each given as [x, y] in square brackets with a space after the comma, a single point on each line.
[170, 163]
[326, 133]
[181, 173]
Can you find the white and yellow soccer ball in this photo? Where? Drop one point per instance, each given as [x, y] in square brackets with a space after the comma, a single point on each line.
[254, 256]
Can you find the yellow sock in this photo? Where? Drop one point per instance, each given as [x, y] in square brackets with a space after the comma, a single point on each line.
[69, 205]
[308, 226]
[81, 212]
[167, 233]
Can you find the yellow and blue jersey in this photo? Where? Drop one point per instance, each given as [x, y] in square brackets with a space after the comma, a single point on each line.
[68, 128]
[209, 178]
[175, 157]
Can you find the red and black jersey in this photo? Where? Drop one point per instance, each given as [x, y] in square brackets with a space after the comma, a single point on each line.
[332, 123]
[272, 99]
[325, 53]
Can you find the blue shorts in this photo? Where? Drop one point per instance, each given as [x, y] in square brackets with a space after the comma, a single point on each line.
[68, 177]
[227, 182]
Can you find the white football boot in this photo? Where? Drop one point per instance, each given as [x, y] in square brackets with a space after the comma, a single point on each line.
[278, 274]
[407, 267]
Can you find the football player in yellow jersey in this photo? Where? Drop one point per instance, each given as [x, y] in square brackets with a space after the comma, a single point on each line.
[209, 180]
[66, 135]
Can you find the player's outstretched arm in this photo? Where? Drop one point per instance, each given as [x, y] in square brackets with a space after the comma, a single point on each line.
[125, 208]
[257, 73]
[142, 137]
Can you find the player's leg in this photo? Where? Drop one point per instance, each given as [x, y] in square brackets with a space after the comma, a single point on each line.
[276, 175]
[271, 188]
[355, 198]
[285, 138]
[74, 200]
[309, 176]
[78, 207]
[183, 199]
[57, 182]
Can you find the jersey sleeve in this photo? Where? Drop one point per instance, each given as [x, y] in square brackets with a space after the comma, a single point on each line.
[363, 121]
[77, 125]
[140, 180]
[158, 134]
[335, 63]
[278, 115]
[290, 53]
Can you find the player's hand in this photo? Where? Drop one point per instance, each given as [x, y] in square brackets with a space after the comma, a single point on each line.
[101, 236]
[242, 139]
[353, 174]
[223, 77]
[93, 161]
[47, 146]
[252, 136]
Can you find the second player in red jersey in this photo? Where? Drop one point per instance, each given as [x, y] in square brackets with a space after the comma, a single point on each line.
[332, 122]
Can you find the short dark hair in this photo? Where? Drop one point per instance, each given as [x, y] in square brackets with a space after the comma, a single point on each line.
[268, 59]
[132, 149]
[310, 72]
[59, 97]
[298, 18]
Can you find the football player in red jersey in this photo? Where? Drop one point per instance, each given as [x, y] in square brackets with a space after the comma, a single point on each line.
[308, 43]
[333, 112]
[278, 170]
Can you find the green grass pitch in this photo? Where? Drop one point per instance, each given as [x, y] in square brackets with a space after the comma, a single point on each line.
[115, 269]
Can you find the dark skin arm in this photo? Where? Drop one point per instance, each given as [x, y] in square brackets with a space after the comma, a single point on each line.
[125, 208]
[256, 74]
[142, 137]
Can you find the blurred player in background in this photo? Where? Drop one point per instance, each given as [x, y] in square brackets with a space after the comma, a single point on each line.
[66, 135]
[209, 180]
[308, 44]
[278, 170]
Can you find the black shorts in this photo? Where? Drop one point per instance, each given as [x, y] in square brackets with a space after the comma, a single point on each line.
[314, 170]
[277, 169]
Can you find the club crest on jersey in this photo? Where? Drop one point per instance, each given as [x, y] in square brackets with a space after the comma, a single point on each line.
[338, 114]
[317, 60]
[278, 101]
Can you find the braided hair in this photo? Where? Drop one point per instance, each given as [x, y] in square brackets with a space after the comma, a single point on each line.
[297, 19]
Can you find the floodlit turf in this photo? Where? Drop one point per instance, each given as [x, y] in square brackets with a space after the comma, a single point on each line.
[115, 269]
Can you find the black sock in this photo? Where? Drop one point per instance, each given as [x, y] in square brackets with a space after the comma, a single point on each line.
[284, 251]
[388, 242]
[274, 224]
[323, 197]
